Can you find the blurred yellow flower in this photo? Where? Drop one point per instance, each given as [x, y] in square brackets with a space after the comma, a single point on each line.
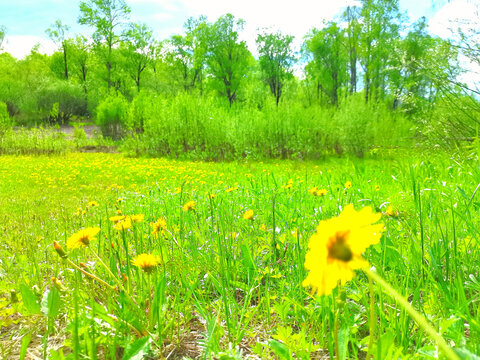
[189, 206]
[82, 238]
[137, 218]
[377, 188]
[158, 227]
[117, 218]
[125, 224]
[390, 211]
[93, 203]
[335, 250]
[248, 215]
[146, 262]
[348, 184]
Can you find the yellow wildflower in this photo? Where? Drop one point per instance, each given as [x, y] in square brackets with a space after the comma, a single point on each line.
[124, 224]
[248, 215]
[82, 238]
[137, 218]
[92, 204]
[377, 188]
[189, 206]
[158, 227]
[146, 262]
[335, 250]
[117, 218]
[348, 184]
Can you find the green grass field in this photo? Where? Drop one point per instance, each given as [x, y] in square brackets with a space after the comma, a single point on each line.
[225, 283]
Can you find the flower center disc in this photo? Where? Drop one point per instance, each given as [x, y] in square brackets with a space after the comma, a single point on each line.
[338, 249]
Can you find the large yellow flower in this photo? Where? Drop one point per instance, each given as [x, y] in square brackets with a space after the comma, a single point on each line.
[82, 238]
[146, 262]
[335, 250]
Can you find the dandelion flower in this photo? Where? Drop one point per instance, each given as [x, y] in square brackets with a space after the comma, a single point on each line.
[92, 204]
[158, 227]
[117, 218]
[377, 187]
[189, 206]
[390, 211]
[58, 248]
[248, 215]
[137, 218]
[335, 250]
[348, 184]
[82, 238]
[125, 224]
[146, 262]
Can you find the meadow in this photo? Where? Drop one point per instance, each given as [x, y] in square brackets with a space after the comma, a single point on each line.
[223, 270]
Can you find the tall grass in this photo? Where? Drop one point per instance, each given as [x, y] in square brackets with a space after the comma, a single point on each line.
[202, 128]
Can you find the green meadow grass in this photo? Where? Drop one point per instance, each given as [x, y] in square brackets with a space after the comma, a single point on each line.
[229, 287]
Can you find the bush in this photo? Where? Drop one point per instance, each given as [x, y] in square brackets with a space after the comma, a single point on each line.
[67, 98]
[113, 116]
[5, 121]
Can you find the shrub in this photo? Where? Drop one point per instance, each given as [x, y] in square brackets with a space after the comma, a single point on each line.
[113, 116]
[5, 121]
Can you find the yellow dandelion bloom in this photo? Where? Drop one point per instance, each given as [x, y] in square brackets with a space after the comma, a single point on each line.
[348, 184]
[125, 224]
[313, 191]
[158, 227]
[322, 192]
[137, 218]
[248, 215]
[335, 250]
[377, 188]
[390, 211]
[146, 262]
[92, 204]
[82, 238]
[189, 206]
[117, 218]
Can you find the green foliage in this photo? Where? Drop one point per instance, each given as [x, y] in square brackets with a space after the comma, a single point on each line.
[113, 116]
[193, 127]
[276, 60]
[5, 121]
[227, 57]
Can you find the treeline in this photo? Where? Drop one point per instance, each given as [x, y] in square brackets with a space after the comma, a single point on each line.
[369, 62]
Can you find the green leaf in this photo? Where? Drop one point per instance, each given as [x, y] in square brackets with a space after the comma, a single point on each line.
[51, 303]
[281, 350]
[23, 349]
[30, 300]
[138, 349]
[464, 354]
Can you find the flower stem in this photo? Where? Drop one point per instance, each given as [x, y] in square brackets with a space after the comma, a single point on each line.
[372, 318]
[419, 318]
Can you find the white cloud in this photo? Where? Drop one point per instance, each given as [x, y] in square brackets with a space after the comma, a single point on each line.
[20, 46]
[454, 14]
[291, 18]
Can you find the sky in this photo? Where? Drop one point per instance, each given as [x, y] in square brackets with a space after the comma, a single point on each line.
[27, 20]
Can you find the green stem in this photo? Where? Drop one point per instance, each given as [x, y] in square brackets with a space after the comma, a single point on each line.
[419, 318]
[372, 318]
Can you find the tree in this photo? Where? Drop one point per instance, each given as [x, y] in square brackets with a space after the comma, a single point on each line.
[2, 36]
[227, 58]
[186, 54]
[329, 59]
[140, 48]
[351, 16]
[57, 32]
[276, 59]
[380, 21]
[106, 16]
